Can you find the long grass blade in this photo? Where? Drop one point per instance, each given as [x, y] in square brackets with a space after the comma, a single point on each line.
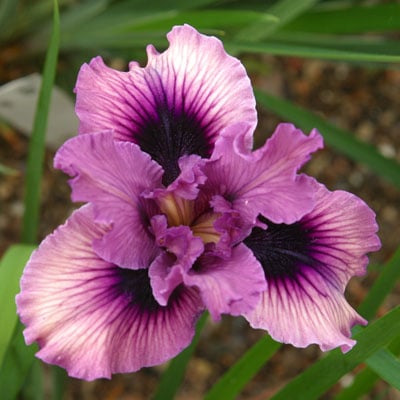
[387, 366]
[37, 142]
[349, 19]
[173, 376]
[11, 268]
[388, 276]
[16, 366]
[118, 30]
[234, 380]
[309, 50]
[365, 45]
[8, 10]
[19, 358]
[326, 372]
[283, 11]
[363, 383]
[365, 380]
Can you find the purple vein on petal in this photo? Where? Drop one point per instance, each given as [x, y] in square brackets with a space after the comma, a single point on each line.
[175, 106]
[93, 318]
[307, 269]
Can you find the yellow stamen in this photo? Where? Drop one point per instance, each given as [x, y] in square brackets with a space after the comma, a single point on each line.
[203, 228]
[179, 211]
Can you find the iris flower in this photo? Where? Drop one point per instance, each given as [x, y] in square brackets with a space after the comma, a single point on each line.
[183, 216]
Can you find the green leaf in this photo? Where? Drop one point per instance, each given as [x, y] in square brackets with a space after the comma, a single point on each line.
[37, 142]
[149, 7]
[32, 16]
[283, 11]
[339, 139]
[323, 374]
[19, 357]
[366, 45]
[59, 376]
[11, 268]
[16, 365]
[79, 14]
[173, 376]
[365, 380]
[218, 20]
[101, 24]
[388, 276]
[363, 383]
[387, 366]
[346, 18]
[8, 11]
[234, 380]
[32, 388]
[123, 30]
[309, 50]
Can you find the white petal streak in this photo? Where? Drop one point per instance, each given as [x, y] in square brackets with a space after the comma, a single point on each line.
[72, 304]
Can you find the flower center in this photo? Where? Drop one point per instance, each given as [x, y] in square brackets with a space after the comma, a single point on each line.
[203, 227]
[180, 211]
[170, 134]
[136, 286]
[281, 249]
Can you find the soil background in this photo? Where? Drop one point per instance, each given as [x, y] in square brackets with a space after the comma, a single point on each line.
[363, 100]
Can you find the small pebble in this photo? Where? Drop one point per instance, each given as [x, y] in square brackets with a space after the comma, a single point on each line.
[387, 150]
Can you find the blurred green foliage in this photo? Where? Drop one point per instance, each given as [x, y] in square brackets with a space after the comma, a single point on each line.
[362, 32]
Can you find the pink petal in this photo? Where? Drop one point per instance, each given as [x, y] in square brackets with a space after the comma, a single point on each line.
[177, 105]
[264, 181]
[181, 249]
[302, 313]
[307, 267]
[228, 286]
[344, 230]
[112, 175]
[93, 318]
